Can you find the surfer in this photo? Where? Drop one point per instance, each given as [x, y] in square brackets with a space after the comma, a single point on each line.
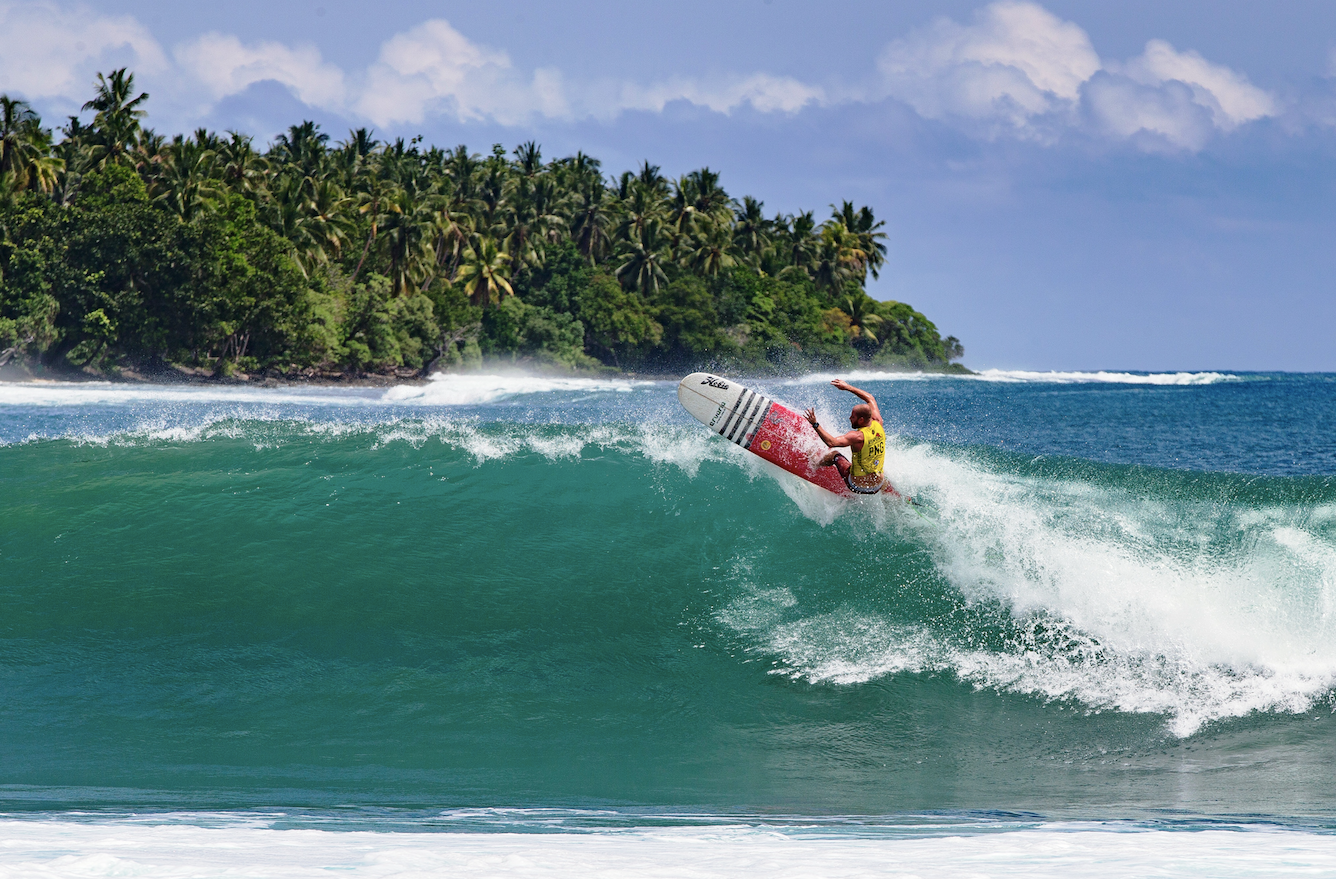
[867, 441]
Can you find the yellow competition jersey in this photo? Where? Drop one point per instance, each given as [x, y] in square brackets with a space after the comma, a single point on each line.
[869, 460]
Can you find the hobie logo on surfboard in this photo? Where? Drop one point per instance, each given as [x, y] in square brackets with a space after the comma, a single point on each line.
[715, 383]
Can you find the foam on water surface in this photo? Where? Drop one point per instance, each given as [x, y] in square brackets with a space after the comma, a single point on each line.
[1117, 600]
[36, 848]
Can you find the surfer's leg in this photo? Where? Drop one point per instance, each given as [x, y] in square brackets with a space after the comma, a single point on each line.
[834, 457]
[841, 464]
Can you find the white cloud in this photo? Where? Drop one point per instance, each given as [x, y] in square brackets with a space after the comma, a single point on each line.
[1016, 61]
[1019, 69]
[226, 67]
[52, 52]
[766, 93]
[434, 68]
[1166, 98]
[1155, 117]
[1015, 69]
[1230, 98]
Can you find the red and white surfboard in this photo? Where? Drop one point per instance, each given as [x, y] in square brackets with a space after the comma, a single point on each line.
[763, 427]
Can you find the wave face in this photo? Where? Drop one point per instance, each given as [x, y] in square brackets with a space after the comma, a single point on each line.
[513, 591]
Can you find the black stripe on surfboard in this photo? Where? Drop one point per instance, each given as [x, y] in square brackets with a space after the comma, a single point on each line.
[749, 418]
[757, 420]
[746, 396]
[744, 403]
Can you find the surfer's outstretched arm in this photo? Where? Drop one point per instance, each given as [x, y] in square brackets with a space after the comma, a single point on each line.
[871, 401]
[853, 439]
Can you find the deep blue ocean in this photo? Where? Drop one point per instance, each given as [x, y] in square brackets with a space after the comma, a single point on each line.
[561, 606]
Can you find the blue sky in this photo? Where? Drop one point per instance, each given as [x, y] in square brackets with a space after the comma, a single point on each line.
[1065, 185]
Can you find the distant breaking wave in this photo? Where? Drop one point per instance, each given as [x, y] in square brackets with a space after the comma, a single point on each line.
[464, 390]
[452, 389]
[1028, 376]
[442, 390]
[1116, 378]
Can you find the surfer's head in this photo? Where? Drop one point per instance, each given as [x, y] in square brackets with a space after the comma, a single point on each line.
[861, 416]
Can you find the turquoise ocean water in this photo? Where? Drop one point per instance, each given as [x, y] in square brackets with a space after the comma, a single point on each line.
[505, 603]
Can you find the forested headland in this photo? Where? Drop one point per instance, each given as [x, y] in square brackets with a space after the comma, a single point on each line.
[125, 251]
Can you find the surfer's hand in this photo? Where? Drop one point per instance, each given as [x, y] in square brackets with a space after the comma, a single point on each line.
[840, 384]
[811, 417]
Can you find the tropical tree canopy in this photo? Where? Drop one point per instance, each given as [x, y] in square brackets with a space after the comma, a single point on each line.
[120, 247]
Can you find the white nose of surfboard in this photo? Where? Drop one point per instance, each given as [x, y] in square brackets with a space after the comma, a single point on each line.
[702, 393]
[729, 409]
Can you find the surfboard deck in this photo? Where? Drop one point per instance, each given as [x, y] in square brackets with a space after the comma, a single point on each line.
[764, 427]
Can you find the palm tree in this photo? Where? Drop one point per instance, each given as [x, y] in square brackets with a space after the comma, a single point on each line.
[287, 211]
[532, 218]
[751, 231]
[485, 273]
[149, 153]
[491, 192]
[451, 231]
[681, 210]
[708, 197]
[650, 178]
[461, 167]
[26, 159]
[866, 254]
[551, 207]
[528, 159]
[409, 232]
[579, 170]
[17, 121]
[863, 318]
[350, 155]
[241, 168]
[328, 221]
[74, 155]
[800, 245]
[644, 258]
[711, 249]
[375, 189]
[641, 208]
[184, 183]
[832, 264]
[117, 121]
[302, 148]
[591, 220]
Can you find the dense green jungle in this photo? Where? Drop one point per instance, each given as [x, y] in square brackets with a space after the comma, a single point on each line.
[125, 252]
